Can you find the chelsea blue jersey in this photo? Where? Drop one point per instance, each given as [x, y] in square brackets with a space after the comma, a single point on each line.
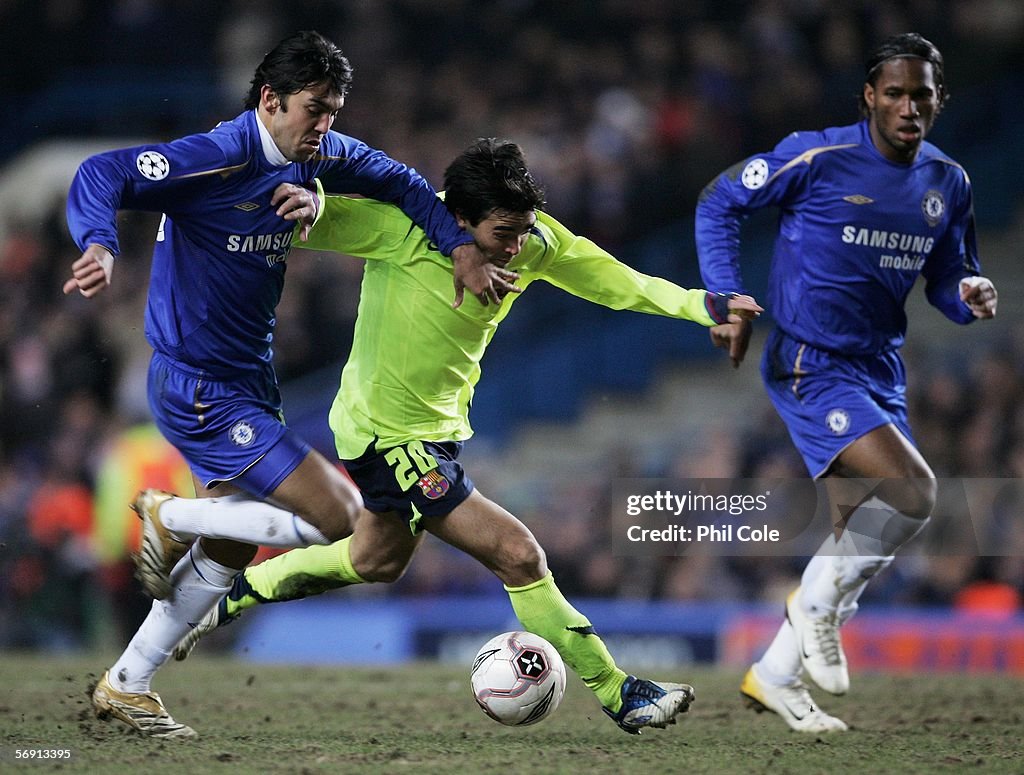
[855, 231]
[219, 260]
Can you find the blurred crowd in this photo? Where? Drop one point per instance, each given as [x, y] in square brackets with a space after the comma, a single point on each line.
[625, 110]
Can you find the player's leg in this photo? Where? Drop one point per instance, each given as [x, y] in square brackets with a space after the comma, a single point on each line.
[502, 543]
[307, 501]
[827, 403]
[282, 492]
[381, 546]
[885, 519]
[887, 514]
[895, 511]
[379, 550]
[385, 536]
[200, 578]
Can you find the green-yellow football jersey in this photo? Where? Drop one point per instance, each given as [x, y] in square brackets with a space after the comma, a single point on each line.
[415, 360]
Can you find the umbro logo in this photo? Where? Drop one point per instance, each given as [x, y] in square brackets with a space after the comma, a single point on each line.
[858, 199]
[247, 206]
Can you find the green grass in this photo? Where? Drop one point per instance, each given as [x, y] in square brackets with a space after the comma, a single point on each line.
[422, 719]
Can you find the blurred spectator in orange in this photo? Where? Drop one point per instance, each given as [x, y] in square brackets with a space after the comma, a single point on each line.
[988, 595]
[135, 458]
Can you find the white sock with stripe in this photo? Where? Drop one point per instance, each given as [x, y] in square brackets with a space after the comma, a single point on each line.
[199, 584]
[239, 517]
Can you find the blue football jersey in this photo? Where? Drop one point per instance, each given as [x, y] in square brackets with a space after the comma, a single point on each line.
[855, 231]
[219, 260]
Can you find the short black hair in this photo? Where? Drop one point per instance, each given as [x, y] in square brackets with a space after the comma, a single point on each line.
[905, 45]
[490, 175]
[304, 59]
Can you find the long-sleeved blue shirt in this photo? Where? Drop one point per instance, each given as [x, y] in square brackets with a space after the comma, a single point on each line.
[855, 231]
[219, 260]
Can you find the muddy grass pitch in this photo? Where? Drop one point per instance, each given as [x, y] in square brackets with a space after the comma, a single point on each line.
[422, 719]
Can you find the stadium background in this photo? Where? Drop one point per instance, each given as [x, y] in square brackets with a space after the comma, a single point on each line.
[625, 110]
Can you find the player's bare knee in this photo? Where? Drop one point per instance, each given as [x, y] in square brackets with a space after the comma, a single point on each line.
[333, 523]
[383, 570]
[924, 502]
[348, 503]
[340, 516]
[914, 497]
[336, 527]
[524, 562]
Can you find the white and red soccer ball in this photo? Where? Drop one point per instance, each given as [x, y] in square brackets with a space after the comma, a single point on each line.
[518, 678]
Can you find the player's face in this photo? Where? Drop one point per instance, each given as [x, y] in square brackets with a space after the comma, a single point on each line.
[502, 234]
[902, 106]
[299, 122]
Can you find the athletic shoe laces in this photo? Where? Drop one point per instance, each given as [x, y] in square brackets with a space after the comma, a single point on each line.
[826, 633]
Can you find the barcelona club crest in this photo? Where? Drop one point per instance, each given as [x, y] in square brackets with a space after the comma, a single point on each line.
[434, 484]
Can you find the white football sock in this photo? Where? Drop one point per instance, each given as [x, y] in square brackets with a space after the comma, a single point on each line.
[780, 664]
[199, 584]
[838, 574]
[240, 517]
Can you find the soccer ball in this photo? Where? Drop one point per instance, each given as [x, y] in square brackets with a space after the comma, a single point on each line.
[518, 678]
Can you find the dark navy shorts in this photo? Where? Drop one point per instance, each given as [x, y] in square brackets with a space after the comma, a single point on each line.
[421, 478]
[828, 400]
[227, 430]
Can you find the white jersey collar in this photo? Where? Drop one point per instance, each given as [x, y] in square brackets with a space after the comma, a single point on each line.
[270, 149]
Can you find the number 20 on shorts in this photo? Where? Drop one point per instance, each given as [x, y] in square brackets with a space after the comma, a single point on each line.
[410, 463]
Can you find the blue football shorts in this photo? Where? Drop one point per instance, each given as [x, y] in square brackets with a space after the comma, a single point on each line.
[227, 430]
[828, 400]
[421, 478]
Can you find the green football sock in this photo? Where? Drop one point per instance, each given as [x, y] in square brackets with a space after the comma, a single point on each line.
[295, 574]
[544, 611]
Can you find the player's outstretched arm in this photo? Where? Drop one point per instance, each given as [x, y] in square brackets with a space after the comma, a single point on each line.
[979, 294]
[91, 272]
[485, 280]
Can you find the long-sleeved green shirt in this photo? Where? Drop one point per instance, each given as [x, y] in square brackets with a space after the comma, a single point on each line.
[415, 360]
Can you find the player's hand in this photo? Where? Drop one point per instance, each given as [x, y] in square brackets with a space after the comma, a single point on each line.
[295, 203]
[979, 294]
[734, 337]
[743, 307]
[91, 272]
[485, 280]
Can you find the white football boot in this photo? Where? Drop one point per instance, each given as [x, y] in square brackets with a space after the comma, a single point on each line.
[792, 702]
[143, 712]
[160, 550]
[650, 704]
[821, 650]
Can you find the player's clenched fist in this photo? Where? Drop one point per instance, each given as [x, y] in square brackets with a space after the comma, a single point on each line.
[980, 295]
[91, 272]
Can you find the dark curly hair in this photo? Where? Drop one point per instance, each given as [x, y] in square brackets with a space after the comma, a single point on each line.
[301, 60]
[490, 175]
[905, 45]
